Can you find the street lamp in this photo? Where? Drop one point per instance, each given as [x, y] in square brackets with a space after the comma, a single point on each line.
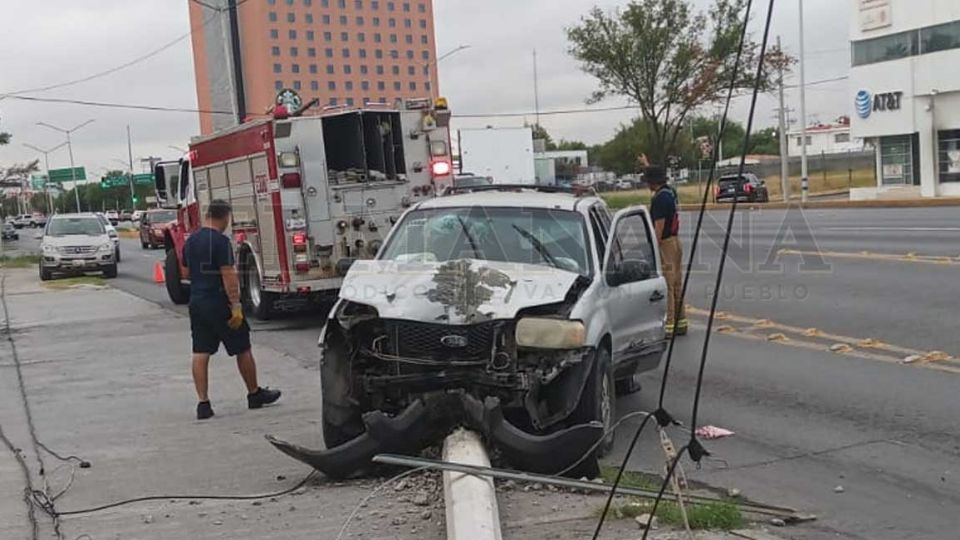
[429, 63]
[46, 165]
[177, 148]
[73, 170]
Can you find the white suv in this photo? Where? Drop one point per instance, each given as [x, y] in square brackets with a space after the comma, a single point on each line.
[513, 310]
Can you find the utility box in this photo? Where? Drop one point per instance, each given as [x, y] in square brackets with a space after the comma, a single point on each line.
[504, 154]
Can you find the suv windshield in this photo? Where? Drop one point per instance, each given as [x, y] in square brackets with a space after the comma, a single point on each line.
[65, 226]
[519, 235]
[162, 216]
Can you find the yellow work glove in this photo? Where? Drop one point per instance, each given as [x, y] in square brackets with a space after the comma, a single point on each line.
[236, 317]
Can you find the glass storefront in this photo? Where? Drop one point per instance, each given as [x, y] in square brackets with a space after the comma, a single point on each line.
[898, 160]
[949, 155]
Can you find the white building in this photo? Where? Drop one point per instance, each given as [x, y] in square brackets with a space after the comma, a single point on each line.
[825, 139]
[906, 92]
[560, 166]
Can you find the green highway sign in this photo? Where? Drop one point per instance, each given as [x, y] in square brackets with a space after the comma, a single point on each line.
[66, 175]
[145, 179]
[38, 181]
[113, 181]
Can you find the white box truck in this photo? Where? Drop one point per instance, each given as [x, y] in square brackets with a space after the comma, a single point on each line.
[504, 154]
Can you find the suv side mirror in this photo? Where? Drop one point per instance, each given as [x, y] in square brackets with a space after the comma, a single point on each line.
[629, 271]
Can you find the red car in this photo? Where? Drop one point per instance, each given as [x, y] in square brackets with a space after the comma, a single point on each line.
[152, 226]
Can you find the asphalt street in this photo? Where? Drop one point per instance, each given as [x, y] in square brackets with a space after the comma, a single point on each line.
[807, 419]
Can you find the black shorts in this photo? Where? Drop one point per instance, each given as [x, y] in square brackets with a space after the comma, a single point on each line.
[208, 327]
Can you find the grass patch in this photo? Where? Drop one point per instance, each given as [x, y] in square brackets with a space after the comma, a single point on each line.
[724, 516]
[633, 479]
[19, 261]
[66, 283]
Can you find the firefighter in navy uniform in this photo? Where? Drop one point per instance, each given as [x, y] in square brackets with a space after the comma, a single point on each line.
[216, 315]
[664, 211]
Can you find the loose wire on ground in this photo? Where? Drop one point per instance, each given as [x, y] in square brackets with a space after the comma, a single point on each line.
[385, 483]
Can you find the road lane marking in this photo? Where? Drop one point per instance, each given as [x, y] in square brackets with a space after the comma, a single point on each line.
[943, 260]
[814, 339]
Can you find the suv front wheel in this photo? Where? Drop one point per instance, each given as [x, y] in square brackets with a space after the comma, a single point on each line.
[597, 404]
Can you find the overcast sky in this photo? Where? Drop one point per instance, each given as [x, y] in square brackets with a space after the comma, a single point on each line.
[54, 41]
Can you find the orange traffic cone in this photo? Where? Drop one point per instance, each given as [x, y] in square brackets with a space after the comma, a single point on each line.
[158, 273]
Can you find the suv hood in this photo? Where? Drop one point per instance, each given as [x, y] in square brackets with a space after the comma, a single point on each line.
[76, 240]
[463, 291]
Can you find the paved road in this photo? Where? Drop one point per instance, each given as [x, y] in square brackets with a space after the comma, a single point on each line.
[807, 419]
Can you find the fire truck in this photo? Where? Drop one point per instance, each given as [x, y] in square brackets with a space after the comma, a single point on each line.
[310, 194]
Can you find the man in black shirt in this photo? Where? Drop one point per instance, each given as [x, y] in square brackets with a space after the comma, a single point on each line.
[666, 221]
[216, 315]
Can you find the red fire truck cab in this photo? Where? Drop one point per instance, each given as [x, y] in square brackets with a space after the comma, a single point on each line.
[310, 194]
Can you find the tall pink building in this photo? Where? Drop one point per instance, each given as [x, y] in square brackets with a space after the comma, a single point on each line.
[344, 52]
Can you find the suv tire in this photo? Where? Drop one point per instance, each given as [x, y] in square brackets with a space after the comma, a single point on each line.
[341, 420]
[45, 275]
[178, 292]
[110, 272]
[597, 404]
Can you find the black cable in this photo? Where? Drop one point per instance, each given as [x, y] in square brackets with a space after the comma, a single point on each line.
[28, 483]
[697, 451]
[616, 482]
[120, 105]
[663, 418]
[125, 502]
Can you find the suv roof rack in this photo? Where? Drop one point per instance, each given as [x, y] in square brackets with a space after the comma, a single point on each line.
[577, 191]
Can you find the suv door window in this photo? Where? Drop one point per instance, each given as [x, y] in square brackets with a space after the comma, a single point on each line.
[600, 231]
[632, 242]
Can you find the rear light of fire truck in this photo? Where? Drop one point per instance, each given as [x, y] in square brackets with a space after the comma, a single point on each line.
[301, 261]
[440, 168]
[290, 180]
[299, 242]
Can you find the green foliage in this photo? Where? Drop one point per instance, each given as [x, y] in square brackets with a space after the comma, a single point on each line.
[668, 60]
[720, 515]
[4, 138]
[20, 261]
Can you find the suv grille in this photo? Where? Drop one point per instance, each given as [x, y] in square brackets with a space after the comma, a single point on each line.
[77, 250]
[442, 341]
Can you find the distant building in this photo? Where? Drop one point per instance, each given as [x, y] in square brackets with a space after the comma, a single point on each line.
[564, 165]
[834, 138]
[344, 52]
[905, 93]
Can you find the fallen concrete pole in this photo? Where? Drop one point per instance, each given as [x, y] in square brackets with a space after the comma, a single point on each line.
[470, 500]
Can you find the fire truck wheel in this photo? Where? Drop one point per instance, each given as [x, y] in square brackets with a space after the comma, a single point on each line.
[257, 302]
[178, 292]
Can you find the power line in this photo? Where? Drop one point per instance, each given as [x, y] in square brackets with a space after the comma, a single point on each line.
[117, 105]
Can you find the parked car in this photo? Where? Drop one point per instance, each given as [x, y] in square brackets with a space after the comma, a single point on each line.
[38, 220]
[152, 226]
[518, 311]
[126, 215]
[111, 232]
[113, 216]
[24, 220]
[466, 181]
[746, 188]
[623, 185]
[10, 232]
[76, 243]
[135, 216]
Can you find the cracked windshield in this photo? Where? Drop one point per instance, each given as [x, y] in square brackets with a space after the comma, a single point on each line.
[450, 269]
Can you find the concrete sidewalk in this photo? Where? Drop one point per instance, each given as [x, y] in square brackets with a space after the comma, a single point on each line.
[108, 378]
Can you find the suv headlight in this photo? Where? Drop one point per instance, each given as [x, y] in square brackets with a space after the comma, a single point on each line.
[550, 333]
[350, 313]
[106, 247]
[47, 248]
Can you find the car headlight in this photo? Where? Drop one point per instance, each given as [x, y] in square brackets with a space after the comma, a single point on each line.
[106, 247]
[350, 313]
[550, 333]
[47, 248]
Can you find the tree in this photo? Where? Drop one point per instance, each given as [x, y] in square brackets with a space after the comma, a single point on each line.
[540, 132]
[619, 154]
[667, 60]
[765, 142]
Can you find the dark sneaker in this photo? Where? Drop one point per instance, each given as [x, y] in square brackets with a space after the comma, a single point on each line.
[204, 410]
[263, 396]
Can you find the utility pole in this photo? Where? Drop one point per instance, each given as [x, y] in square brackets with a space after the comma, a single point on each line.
[151, 162]
[46, 165]
[73, 169]
[782, 119]
[536, 88]
[804, 180]
[133, 203]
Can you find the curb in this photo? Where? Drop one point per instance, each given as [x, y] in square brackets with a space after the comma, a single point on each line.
[905, 203]
[470, 501]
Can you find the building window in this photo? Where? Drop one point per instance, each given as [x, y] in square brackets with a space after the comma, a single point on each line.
[377, 38]
[392, 23]
[408, 39]
[327, 36]
[310, 35]
[413, 86]
[331, 85]
[362, 53]
[272, 2]
[326, 19]
[361, 37]
[375, 4]
[407, 23]
[313, 69]
[344, 36]
[292, 34]
[395, 70]
[426, 70]
[882, 49]
[296, 85]
[380, 85]
[312, 52]
[349, 102]
[272, 16]
[379, 70]
[278, 85]
[358, 4]
[949, 151]
[347, 69]
[343, 20]
[330, 69]
[409, 54]
[394, 54]
[809, 140]
[364, 85]
[341, 3]
[348, 85]
[422, 8]
[423, 23]
[425, 55]
[363, 69]
[390, 6]
[328, 53]
[293, 51]
[289, 2]
[426, 86]
[295, 68]
[324, 3]
[309, 18]
[393, 38]
[841, 138]
[346, 53]
[897, 159]
[275, 51]
[397, 86]
[359, 21]
[308, 3]
[274, 33]
[314, 85]
[333, 102]
[376, 21]
[277, 68]
[378, 53]
[291, 18]
[406, 7]
[412, 71]
[424, 40]
[941, 37]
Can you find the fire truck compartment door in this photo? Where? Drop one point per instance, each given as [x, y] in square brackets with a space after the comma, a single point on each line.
[316, 197]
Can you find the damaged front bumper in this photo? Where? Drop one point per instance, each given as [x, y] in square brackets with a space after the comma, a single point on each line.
[432, 416]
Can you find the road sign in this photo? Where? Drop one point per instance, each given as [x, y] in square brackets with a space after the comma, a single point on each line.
[113, 181]
[38, 181]
[65, 175]
[145, 179]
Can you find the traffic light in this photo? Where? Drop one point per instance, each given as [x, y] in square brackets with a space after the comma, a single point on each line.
[136, 199]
